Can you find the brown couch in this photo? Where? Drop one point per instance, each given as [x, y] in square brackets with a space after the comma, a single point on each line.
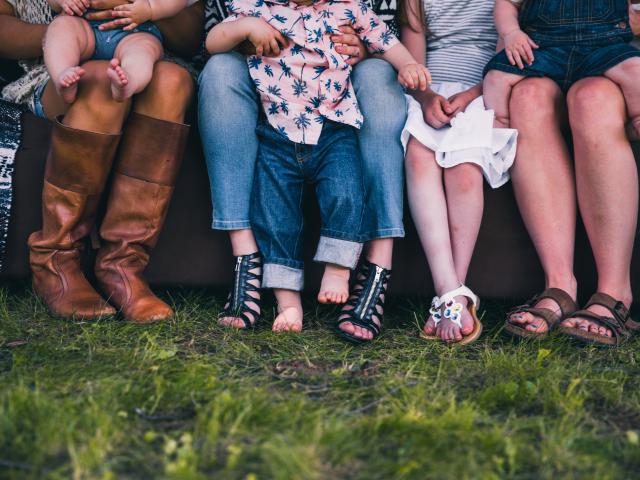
[191, 254]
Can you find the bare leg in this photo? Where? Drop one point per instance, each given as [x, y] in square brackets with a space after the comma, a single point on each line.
[497, 88]
[429, 211]
[68, 41]
[290, 312]
[465, 204]
[132, 68]
[380, 252]
[335, 285]
[543, 182]
[627, 76]
[94, 110]
[607, 181]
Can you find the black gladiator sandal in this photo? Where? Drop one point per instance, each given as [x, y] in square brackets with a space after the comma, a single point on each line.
[366, 303]
[240, 296]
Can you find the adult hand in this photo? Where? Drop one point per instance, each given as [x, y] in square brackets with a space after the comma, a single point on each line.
[519, 48]
[348, 43]
[437, 110]
[106, 12]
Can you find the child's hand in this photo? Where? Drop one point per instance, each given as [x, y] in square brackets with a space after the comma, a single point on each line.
[75, 7]
[267, 40]
[414, 76]
[134, 14]
[460, 101]
[519, 48]
[437, 110]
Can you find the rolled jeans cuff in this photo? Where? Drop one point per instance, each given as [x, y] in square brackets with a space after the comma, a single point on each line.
[279, 276]
[343, 253]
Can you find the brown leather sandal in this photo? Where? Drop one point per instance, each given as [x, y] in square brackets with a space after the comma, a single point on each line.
[551, 318]
[620, 323]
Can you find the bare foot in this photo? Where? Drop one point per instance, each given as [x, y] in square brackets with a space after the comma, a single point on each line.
[335, 285]
[121, 90]
[67, 84]
[447, 330]
[533, 323]
[289, 319]
[589, 325]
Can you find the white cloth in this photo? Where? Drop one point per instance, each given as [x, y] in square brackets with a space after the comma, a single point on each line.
[471, 137]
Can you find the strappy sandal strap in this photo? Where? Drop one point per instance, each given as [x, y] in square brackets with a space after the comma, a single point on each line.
[564, 301]
[239, 298]
[620, 321]
[453, 310]
[368, 296]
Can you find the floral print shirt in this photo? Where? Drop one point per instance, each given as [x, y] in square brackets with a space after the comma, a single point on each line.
[309, 81]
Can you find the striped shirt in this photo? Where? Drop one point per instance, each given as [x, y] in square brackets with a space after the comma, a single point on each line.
[461, 39]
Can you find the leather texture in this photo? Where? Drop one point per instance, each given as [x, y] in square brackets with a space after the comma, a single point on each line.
[76, 172]
[143, 184]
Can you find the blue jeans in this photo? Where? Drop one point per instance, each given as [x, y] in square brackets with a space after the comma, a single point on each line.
[334, 168]
[228, 114]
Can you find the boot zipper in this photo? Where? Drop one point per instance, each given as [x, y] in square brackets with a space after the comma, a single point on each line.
[237, 286]
[374, 287]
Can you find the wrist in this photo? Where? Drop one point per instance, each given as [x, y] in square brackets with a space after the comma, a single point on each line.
[505, 33]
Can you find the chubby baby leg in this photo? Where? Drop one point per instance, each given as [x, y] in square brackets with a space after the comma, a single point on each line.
[290, 312]
[335, 284]
[132, 67]
[68, 41]
[496, 90]
[627, 76]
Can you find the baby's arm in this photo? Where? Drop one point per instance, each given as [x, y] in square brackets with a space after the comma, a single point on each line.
[379, 40]
[237, 29]
[70, 7]
[517, 44]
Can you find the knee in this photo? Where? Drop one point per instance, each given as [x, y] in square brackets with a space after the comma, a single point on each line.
[535, 101]
[94, 93]
[465, 178]
[171, 84]
[380, 97]
[595, 105]
[419, 161]
[220, 74]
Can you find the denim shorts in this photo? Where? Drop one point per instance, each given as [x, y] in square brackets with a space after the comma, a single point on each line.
[567, 64]
[108, 40]
[38, 109]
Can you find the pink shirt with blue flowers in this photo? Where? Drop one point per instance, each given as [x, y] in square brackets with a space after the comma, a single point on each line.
[310, 81]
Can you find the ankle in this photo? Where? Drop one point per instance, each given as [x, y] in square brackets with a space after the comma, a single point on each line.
[336, 271]
[621, 292]
[380, 252]
[243, 242]
[566, 282]
[287, 299]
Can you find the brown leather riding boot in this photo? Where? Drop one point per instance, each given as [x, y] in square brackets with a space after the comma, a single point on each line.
[76, 172]
[143, 184]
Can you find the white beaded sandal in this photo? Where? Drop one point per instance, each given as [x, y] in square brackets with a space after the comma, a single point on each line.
[453, 311]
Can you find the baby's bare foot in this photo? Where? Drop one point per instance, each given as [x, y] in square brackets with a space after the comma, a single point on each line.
[335, 285]
[289, 319]
[67, 84]
[121, 89]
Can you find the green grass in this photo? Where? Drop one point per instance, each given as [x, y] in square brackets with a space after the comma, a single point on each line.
[188, 399]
